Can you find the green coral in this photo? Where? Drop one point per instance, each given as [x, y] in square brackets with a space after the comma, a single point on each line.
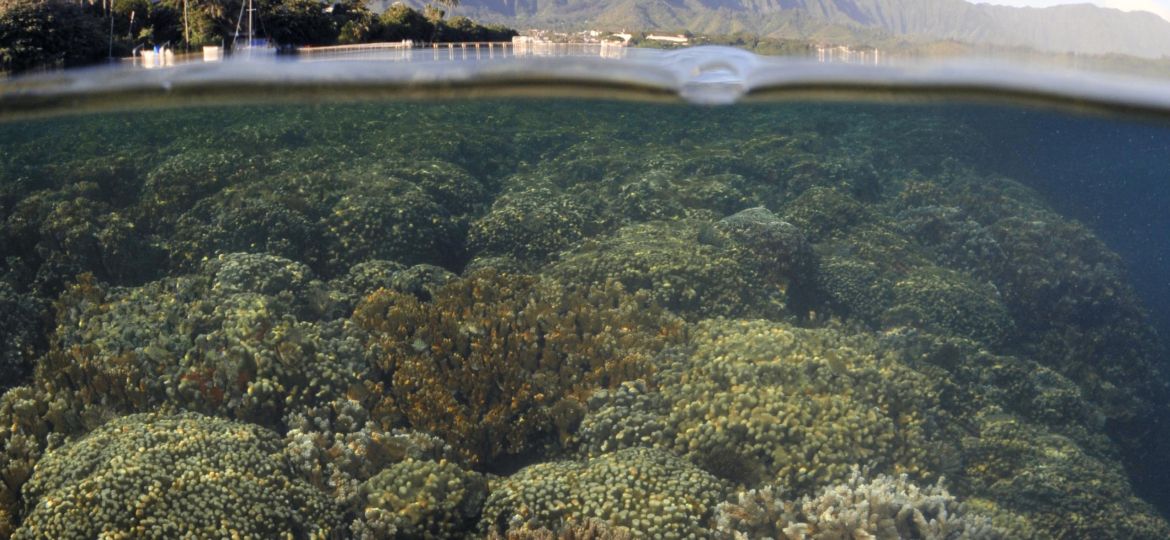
[1040, 476]
[824, 213]
[337, 447]
[756, 401]
[154, 475]
[30, 424]
[207, 343]
[651, 492]
[530, 224]
[993, 341]
[423, 281]
[698, 269]
[188, 174]
[875, 275]
[390, 218]
[364, 278]
[252, 218]
[62, 233]
[22, 322]
[1066, 291]
[947, 302]
[420, 499]
[589, 529]
[619, 184]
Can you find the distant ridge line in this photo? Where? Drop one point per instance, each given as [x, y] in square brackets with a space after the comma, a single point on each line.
[1081, 28]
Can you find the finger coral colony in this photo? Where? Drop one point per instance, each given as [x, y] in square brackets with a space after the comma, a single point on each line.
[557, 320]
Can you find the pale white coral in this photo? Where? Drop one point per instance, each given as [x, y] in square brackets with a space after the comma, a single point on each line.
[885, 508]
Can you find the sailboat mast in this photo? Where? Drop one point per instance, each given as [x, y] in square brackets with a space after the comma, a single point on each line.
[186, 29]
[250, 36]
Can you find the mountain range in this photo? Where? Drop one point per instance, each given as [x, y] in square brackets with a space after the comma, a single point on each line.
[1080, 28]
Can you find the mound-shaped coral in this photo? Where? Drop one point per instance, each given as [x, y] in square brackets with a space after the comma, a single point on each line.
[189, 173]
[1066, 291]
[824, 213]
[875, 275]
[1039, 475]
[530, 224]
[744, 265]
[589, 529]
[754, 402]
[227, 342]
[53, 235]
[947, 302]
[187, 475]
[253, 218]
[651, 492]
[29, 424]
[337, 448]
[390, 219]
[421, 499]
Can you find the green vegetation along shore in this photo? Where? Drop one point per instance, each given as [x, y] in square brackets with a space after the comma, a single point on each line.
[59, 33]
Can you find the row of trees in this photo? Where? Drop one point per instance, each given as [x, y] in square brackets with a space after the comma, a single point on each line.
[35, 33]
[298, 22]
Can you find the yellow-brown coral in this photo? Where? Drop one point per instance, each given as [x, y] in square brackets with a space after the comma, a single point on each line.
[494, 361]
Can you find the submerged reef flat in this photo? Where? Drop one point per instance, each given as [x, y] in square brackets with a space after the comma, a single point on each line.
[560, 320]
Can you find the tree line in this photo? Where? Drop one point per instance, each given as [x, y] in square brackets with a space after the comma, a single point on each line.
[57, 33]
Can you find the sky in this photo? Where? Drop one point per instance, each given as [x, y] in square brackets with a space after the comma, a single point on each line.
[1160, 7]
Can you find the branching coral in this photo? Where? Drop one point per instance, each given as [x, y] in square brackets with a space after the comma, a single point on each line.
[496, 361]
[883, 508]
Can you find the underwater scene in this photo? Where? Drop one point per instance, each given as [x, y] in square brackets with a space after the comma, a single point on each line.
[584, 319]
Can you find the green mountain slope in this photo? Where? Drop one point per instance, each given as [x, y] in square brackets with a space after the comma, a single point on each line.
[1073, 28]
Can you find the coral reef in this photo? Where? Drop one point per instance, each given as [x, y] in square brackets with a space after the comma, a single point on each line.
[252, 218]
[615, 185]
[824, 213]
[389, 218]
[58, 234]
[1066, 291]
[189, 174]
[337, 448]
[212, 343]
[22, 323]
[742, 266]
[421, 499]
[876, 275]
[1038, 475]
[589, 529]
[944, 301]
[29, 425]
[756, 402]
[495, 361]
[149, 475]
[883, 508]
[650, 492]
[652, 306]
[530, 224]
